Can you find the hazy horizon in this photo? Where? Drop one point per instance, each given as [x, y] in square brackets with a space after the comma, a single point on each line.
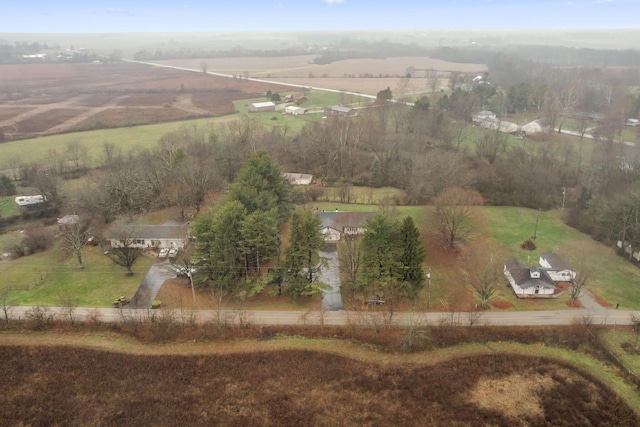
[168, 16]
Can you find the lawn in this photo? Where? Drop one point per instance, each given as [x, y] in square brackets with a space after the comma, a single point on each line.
[364, 195]
[52, 279]
[8, 206]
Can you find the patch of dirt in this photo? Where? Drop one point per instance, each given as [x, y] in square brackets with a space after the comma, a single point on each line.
[603, 302]
[575, 304]
[176, 293]
[501, 304]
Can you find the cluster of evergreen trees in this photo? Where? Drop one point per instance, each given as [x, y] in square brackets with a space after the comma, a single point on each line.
[242, 233]
[388, 260]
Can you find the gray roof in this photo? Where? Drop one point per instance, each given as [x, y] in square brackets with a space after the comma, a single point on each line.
[556, 261]
[159, 232]
[299, 178]
[522, 275]
[340, 109]
[339, 220]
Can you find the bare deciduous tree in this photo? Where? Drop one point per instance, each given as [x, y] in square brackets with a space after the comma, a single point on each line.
[452, 215]
[5, 304]
[125, 254]
[482, 274]
[74, 235]
[579, 282]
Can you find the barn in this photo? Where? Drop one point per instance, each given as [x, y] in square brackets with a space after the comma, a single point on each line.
[258, 107]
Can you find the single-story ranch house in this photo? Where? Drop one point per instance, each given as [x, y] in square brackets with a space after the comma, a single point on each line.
[337, 225]
[156, 237]
[559, 270]
[528, 282]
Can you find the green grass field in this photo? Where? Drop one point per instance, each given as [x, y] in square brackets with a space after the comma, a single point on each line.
[126, 139]
[52, 278]
[8, 206]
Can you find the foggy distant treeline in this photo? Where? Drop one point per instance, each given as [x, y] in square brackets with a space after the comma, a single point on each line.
[348, 48]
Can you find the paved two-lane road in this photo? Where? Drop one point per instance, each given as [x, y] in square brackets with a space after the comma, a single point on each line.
[342, 318]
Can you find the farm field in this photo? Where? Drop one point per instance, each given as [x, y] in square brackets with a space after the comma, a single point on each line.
[357, 75]
[55, 98]
[303, 384]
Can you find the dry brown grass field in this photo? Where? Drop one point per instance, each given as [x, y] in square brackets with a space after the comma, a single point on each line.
[357, 75]
[40, 99]
[85, 379]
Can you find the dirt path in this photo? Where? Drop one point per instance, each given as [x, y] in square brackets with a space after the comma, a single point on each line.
[42, 108]
[185, 103]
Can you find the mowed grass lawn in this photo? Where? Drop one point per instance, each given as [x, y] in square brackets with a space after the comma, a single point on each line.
[611, 277]
[54, 279]
[8, 206]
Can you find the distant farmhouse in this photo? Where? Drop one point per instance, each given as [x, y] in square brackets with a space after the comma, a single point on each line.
[294, 111]
[155, 237]
[489, 120]
[535, 127]
[339, 225]
[258, 107]
[339, 110]
[299, 178]
[298, 99]
[67, 221]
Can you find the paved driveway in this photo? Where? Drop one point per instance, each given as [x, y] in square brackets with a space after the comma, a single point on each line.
[330, 274]
[153, 281]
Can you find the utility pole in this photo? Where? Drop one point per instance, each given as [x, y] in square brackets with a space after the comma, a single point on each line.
[564, 196]
[193, 292]
[429, 289]
[535, 230]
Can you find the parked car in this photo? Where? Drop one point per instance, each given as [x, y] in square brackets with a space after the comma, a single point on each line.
[182, 271]
[163, 253]
[173, 252]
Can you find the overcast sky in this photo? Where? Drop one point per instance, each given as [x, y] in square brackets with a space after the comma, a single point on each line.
[115, 16]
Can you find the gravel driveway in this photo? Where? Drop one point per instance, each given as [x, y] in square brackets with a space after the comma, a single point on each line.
[330, 274]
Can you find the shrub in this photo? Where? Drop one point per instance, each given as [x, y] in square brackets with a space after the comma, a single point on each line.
[528, 245]
[7, 186]
[37, 239]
